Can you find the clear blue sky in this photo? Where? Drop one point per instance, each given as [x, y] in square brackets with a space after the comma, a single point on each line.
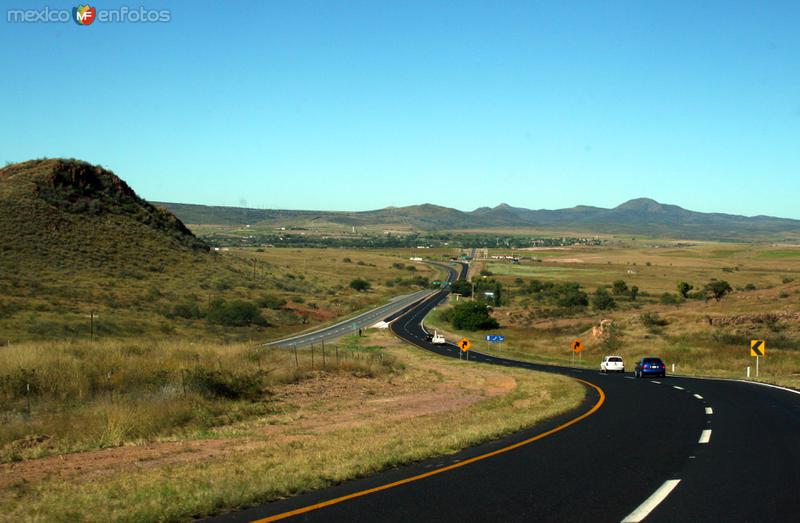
[361, 105]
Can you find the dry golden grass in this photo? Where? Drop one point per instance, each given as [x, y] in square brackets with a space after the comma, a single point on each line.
[75, 396]
[322, 431]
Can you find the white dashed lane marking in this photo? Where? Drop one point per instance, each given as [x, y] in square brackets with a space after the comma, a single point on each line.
[643, 510]
[705, 436]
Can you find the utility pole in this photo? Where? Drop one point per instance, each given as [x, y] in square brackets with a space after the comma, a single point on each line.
[92, 316]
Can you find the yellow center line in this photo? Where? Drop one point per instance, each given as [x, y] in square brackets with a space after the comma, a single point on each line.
[334, 501]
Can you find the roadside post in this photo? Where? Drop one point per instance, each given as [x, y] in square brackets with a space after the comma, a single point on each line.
[758, 348]
[577, 346]
[464, 345]
[92, 315]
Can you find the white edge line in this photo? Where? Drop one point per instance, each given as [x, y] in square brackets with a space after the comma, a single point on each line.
[768, 385]
[736, 380]
[643, 510]
[705, 436]
[709, 410]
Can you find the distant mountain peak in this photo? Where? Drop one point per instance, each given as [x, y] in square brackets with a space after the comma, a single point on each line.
[642, 204]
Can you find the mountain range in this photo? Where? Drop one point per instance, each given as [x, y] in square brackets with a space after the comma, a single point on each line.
[642, 216]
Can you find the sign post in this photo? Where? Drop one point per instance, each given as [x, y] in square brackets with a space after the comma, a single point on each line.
[464, 344]
[577, 346]
[758, 348]
[494, 338]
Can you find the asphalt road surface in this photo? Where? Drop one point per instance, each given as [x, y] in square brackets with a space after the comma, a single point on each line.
[361, 321]
[662, 450]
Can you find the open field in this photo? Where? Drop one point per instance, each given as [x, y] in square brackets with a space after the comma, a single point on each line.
[293, 289]
[382, 405]
[699, 336]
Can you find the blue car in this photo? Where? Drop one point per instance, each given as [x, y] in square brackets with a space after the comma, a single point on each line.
[650, 367]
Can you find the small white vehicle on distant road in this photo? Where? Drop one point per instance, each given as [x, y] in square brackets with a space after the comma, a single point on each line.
[612, 364]
[438, 339]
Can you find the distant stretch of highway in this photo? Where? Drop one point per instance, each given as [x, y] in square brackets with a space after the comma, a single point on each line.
[361, 321]
[662, 450]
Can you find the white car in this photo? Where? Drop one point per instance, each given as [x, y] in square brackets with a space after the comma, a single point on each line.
[612, 364]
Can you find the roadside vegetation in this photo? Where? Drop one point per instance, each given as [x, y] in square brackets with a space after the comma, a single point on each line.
[75, 396]
[695, 305]
[183, 430]
[226, 296]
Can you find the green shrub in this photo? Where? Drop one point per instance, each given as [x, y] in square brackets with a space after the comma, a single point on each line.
[270, 301]
[717, 289]
[684, 288]
[619, 288]
[461, 287]
[668, 299]
[602, 300]
[236, 313]
[360, 285]
[472, 315]
[188, 310]
[223, 384]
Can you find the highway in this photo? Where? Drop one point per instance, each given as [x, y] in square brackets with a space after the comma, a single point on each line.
[661, 450]
[361, 321]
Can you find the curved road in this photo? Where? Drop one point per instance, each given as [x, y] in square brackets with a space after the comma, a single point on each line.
[366, 319]
[662, 450]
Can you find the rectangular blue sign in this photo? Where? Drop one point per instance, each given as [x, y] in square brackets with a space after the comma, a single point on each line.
[493, 338]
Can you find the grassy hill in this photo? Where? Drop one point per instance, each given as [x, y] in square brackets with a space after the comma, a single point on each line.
[77, 242]
[641, 216]
[74, 216]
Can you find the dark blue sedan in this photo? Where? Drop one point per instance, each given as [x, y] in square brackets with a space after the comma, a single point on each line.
[650, 367]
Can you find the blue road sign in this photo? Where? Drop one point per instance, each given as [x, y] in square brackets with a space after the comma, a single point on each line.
[494, 338]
